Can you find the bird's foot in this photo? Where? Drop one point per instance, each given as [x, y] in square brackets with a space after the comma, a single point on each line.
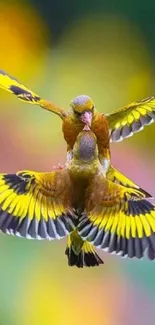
[59, 167]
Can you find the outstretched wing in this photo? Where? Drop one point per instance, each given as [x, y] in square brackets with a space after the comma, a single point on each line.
[117, 220]
[117, 177]
[15, 87]
[130, 119]
[36, 205]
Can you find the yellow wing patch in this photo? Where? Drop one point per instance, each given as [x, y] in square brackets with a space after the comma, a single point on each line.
[127, 232]
[35, 205]
[117, 219]
[13, 86]
[130, 119]
[117, 177]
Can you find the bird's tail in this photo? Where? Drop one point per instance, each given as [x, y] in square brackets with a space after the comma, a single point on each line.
[83, 257]
[116, 176]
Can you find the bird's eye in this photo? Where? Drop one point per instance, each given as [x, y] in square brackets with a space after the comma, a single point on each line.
[77, 113]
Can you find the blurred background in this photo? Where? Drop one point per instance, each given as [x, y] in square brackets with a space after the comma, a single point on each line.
[60, 49]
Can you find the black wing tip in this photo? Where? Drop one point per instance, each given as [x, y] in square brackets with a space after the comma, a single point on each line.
[139, 207]
[34, 228]
[23, 94]
[147, 195]
[18, 183]
[82, 259]
[133, 247]
[92, 259]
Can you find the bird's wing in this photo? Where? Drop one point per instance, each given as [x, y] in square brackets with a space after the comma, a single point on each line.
[126, 121]
[115, 219]
[36, 205]
[15, 87]
[117, 177]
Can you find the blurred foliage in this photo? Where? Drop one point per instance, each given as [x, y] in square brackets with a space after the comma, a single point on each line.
[62, 49]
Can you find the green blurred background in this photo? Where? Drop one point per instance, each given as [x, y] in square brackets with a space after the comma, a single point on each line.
[61, 49]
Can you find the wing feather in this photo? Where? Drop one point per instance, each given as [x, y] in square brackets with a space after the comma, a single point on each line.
[130, 119]
[36, 205]
[118, 220]
[16, 88]
[117, 177]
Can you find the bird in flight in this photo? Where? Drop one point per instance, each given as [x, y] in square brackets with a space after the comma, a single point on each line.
[107, 127]
[78, 201]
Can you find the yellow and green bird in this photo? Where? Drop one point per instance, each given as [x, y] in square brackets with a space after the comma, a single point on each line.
[107, 127]
[78, 201]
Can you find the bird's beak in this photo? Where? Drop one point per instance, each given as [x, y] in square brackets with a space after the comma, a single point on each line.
[86, 118]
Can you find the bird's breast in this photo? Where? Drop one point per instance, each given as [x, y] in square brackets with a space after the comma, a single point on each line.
[87, 148]
[71, 129]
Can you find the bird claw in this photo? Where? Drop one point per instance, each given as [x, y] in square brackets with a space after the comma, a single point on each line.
[58, 167]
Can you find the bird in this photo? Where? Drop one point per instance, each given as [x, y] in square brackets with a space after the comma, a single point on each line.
[114, 218]
[108, 128]
[79, 202]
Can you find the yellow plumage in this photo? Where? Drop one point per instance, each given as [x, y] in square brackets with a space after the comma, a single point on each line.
[91, 209]
[13, 86]
[117, 177]
[35, 204]
[16, 88]
[79, 200]
[131, 119]
[119, 222]
[122, 123]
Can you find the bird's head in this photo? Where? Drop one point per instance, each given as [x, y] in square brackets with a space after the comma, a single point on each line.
[83, 109]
